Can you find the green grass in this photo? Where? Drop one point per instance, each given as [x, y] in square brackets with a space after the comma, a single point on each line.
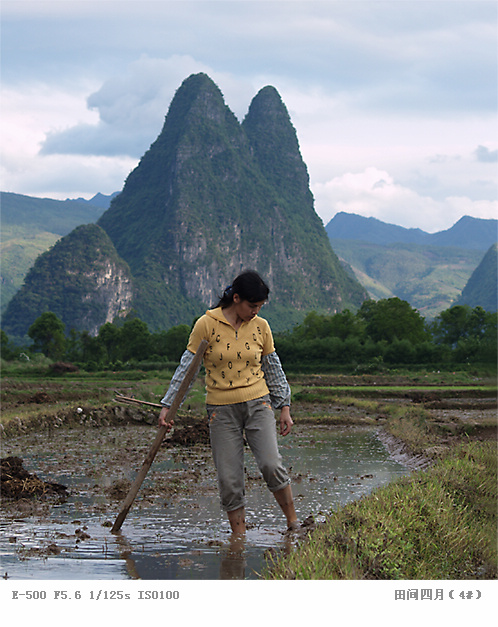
[435, 524]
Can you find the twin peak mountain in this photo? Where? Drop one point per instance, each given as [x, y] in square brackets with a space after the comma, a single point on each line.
[211, 197]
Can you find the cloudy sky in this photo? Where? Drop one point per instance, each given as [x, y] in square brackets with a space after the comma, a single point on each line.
[394, 102]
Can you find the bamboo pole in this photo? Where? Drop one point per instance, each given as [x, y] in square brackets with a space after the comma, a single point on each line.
[189, 376]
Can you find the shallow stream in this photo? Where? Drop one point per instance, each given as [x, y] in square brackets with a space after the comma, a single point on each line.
[175, 528]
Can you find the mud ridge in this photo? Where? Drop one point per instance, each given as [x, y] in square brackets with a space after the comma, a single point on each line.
[83, 416]
[190, 433]
[401, 453]
[17, 483]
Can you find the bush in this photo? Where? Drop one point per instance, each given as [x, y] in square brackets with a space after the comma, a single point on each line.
[400, 352]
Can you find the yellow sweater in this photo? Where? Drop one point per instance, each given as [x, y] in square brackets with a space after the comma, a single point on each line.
[233, 358]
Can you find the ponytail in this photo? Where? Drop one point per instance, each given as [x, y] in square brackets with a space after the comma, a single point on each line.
[249, 286]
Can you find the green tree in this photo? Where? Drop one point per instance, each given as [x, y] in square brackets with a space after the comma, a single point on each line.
[7, 350]
[74, 350]
[110, 337]
[463, 323]
[314, 326]
[93, 351]
[346, 325]
[47, 333]
[341, 325]
[480, 321]
[134, 340]
[172, 343]
[451, 325]
[391, 319]
[400, 352]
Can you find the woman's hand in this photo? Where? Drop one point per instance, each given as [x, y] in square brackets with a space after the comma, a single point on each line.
[163, 419]
[285, 421]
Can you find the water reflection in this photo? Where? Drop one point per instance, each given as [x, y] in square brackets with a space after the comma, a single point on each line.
[180, 533]
[233, 559]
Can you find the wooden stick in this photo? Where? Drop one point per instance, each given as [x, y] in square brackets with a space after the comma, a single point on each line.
[189, 376]
[127, 399]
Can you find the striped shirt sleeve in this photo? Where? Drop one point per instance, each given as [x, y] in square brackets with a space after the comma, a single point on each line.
[177, 378]
[280, 392]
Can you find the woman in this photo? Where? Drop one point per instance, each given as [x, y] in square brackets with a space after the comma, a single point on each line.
[244, 380]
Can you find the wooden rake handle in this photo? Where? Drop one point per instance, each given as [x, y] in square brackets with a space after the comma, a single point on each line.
[189, 376]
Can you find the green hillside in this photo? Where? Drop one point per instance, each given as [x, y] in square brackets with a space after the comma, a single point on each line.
[481, 289]
[81, 279]
[430, 278]
[30, 226]
[45, 214]
[20, 248]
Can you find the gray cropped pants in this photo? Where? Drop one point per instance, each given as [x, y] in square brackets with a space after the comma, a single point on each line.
[227, 425]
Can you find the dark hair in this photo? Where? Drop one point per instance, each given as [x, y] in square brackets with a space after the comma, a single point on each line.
[249, 286]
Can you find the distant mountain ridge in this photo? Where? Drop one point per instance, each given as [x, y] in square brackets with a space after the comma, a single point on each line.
[468, 232]
[46, 214]
[427, 270]
[103, 201]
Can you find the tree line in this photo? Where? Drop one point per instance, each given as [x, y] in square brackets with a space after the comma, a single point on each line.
[391, 333]
[116, 346]
[387, 332]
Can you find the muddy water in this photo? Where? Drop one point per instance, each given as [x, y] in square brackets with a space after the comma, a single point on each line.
[175, 528]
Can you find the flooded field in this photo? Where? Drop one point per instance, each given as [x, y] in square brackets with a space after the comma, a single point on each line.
[175, 528]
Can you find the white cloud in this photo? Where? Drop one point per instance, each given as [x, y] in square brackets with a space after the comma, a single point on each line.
[374, 193]
[29, 112]
[131, 107]
[486, 155]
[67, 176]
[394, 102]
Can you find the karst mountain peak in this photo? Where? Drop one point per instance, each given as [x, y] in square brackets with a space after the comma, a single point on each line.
[210, 197]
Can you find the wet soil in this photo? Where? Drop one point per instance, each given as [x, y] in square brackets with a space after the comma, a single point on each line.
[182, 476]
[389, 379]
[175, 528]
[456, 417]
